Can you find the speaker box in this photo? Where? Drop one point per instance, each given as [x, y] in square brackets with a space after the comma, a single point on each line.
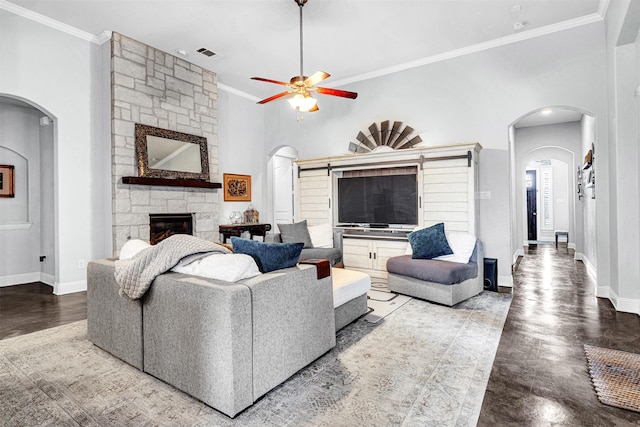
[491, 274]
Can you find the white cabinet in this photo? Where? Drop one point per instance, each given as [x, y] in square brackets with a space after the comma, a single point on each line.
[370, 255]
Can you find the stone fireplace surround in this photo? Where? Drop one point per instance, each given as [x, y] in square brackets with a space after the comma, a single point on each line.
[154, 88]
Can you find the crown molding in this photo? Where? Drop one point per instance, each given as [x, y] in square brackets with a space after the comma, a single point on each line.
[49, 22]
[491, 44]
[603, 7]
[235, 91]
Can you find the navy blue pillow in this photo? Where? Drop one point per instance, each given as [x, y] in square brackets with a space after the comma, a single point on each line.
[429, 242]
[268, 256]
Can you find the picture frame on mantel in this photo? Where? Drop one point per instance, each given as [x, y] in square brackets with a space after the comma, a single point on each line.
[7, 181]
[237, 188]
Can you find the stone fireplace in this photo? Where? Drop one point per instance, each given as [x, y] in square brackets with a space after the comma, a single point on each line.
[162, 226]
[157, 89]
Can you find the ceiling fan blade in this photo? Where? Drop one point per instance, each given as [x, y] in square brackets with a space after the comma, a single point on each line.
[270, 81]
[271, 98]
[315, 108]
[336, 92]
[316, 78]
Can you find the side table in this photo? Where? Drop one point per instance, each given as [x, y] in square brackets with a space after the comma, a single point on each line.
[236, 230]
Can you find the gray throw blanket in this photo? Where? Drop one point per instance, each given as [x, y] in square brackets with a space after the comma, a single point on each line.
[136, 274]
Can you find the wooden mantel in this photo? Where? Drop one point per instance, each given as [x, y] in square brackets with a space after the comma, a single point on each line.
[170, 182]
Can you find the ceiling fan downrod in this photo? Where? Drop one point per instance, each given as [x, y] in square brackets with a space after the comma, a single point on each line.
[301, 3]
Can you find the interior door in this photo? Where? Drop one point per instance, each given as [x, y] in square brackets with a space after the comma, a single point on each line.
[532, 213]
[283, 189]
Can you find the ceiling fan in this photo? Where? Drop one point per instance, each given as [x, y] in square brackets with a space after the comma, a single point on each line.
[301, 86]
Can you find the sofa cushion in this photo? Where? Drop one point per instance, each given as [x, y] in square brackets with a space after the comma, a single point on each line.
[295, 233]
[268, 256]
[429, 242]
[321, 235]
[334, 255]
[431, 270]
[131, 248]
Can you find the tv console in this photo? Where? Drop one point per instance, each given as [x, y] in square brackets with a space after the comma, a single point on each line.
[447, 182]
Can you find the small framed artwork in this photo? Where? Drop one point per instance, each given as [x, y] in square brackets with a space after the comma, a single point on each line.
[237, 188]
[7, 188]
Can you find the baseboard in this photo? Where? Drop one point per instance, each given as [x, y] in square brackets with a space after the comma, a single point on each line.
[69, 287]
[19, 279]
[47, 279]
[591, 270]
[626, 305]
[603, 291]
[505, 281]
[572, 246]
[518, 253]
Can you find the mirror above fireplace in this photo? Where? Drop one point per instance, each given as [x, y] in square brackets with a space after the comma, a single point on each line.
[163, 153]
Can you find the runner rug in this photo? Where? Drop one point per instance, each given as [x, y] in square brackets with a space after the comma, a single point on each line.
[425, 365]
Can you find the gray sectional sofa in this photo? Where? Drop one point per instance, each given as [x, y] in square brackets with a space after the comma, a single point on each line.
[226, 344]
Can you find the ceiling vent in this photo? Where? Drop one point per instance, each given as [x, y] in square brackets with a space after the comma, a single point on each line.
[206, 52]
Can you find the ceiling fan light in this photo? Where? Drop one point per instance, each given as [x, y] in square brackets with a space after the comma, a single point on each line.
[302, 103]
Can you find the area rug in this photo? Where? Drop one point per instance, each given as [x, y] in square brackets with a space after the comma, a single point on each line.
[424, 365]
[616, 376]
[382, 303]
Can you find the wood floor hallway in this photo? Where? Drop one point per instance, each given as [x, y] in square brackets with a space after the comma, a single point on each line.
[539, 377]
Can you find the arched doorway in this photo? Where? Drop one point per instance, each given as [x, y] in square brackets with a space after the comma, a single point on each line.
[27, 220]
[546, 149]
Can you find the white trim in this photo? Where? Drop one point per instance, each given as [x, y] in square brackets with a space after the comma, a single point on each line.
[235, 91]
[69, 287]
[104, 37]
[591, 270]
[49, 22]
[505, 281]
[503, 41]
[603, 291]
[572, 246]
[19, 279]
[16, 226]
[626, 305]
[518, 253]
[47, 279]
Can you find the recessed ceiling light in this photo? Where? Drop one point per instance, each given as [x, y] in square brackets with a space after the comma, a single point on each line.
[182, 52]
[546, 111]
[517, 26]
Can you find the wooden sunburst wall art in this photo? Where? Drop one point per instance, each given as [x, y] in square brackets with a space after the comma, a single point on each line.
[394, 137]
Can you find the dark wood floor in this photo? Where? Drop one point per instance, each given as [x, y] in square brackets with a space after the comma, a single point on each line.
[539, 377]
[32, 307]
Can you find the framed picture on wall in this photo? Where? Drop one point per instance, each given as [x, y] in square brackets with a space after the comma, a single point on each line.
[7, 188]
[237, 188]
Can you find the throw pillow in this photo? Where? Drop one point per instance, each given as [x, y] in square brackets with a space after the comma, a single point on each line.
[131, 248]
[462, 245]
[321, 235]
[295, 233]
[429, 242]
[268, 256]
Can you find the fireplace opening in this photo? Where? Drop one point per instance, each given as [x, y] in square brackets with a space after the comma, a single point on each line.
[165, 225]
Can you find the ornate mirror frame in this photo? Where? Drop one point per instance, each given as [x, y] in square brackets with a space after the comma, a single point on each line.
[142, 131]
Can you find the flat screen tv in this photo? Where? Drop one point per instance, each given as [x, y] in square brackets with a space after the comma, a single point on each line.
[378, 200]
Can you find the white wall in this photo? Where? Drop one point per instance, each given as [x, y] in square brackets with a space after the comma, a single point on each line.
[59, 79]
[621, 158]
[241, 151]
[471, 98]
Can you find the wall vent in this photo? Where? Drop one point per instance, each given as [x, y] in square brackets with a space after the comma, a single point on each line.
[206, 52]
